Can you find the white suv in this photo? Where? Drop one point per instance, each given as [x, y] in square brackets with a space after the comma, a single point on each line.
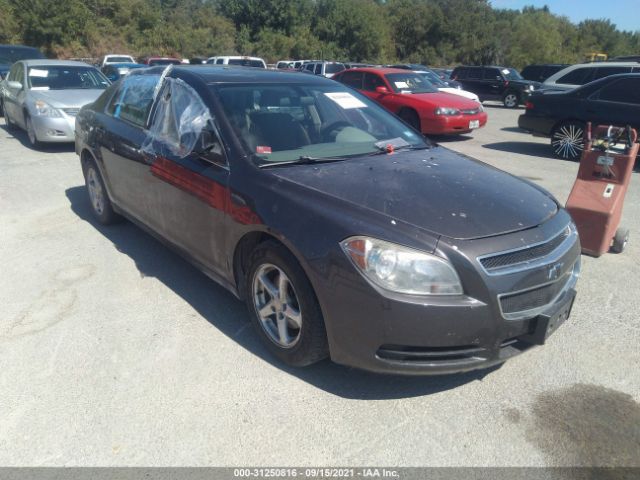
[238, 60]
[326, 69]
[583, 73]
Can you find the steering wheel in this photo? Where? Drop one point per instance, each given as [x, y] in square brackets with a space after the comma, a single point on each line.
[326, 132]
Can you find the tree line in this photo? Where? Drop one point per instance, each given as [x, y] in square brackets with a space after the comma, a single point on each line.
[433, 32]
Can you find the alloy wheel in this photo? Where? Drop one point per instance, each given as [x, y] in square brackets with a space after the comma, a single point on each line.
[96, 194]
[568, 141]
[511, 100]
[276, 304]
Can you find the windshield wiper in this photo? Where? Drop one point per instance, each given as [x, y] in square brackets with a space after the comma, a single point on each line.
[382, 149]
[303, 160]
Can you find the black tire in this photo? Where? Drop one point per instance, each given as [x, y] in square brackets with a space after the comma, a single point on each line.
[103, 210]
[567, 140]
[511, 99]
[620, 240]
[31, 133]
[1, 108]
[411, 117]
[311, 344]
[8, 122]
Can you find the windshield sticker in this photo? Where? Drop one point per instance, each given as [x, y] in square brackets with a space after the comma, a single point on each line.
[38, 73]
[401, 84]
[505, 71]
[262, 149]
[345, 100]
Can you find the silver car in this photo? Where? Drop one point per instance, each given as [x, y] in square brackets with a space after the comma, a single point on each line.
[44, 96]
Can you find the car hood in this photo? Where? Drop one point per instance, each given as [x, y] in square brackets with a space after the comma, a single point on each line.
[66, 98]
[462, 93]
[436, 190]
[442, 99]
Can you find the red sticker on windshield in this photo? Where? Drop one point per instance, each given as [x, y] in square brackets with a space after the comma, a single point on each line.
[262, 149]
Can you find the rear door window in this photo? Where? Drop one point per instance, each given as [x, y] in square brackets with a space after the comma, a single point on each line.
[132, 102]
[318, 69]
[475, 74]
[606, 71]
[626, 90]
[352, 79]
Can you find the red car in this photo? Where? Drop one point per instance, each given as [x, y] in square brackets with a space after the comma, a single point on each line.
[414, 99]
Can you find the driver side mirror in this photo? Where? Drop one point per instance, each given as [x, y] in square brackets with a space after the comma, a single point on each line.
[382, 90]
[14, 84]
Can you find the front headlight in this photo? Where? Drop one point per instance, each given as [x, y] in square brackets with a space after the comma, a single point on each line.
[531, 88]
[447, 111]
[402, 269]
[43, 109]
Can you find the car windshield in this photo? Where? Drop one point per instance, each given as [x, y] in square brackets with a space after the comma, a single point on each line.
[9, 55]
[410, 83]
[334, 67]
[62, 77]
[119, 59]
[245, 62]
[511, 74]
[434, 79]
[290, 122]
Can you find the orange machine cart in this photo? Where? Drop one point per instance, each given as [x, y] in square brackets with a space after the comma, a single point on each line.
[595, 202]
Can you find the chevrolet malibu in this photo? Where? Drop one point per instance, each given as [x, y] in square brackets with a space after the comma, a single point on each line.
[347, 234]
[44, 96]
[412, 97]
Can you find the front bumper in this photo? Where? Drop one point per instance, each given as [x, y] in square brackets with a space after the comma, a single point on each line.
[452, 124]
[54, 129]
[401, 334]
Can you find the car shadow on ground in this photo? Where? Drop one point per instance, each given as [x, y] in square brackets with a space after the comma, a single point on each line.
[524, 148]
[514, 130]
[229, 315]
[21, 136]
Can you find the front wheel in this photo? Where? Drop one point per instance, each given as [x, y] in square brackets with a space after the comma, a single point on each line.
[567, 140]
[411, 117]
[31, 133]
[284, 308]
[511, 100]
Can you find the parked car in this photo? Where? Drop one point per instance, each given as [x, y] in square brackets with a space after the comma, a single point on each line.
[284, 189]
[155, 61]
[414, 99]
[495, 83]
[115, 58]
[44, 96]
[583, 73]
[114, 71]
[357, 65]
[443, 73]
[613, 100]
[9, 54]
[540, 72]
[285, 64]
[447, 87]
[326, 69]
[431, 75]
[238, 61]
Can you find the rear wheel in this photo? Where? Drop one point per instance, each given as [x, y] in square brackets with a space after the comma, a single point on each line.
[284, 308]
[101, 206]
[620, 240]
[411, 117]
[567, 140]
[511, 100]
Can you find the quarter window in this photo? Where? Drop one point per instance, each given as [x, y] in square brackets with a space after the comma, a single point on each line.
[372, 81]
[625, 91]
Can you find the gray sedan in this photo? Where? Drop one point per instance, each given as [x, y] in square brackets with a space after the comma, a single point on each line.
[44, 96]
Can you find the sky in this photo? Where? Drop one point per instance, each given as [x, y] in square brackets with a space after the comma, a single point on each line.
[624, 13]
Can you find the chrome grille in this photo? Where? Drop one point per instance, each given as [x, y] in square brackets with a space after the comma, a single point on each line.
[72, 112]
[534, 298]
[524, 255]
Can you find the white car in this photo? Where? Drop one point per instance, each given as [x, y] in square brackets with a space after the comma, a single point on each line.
[116, 58]
[577, 75]
[238, 60]
[443, 87]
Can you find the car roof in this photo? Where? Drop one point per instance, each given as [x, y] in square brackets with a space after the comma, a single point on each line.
[60, 63]
[127, 64]
[384, 70]
[237, 74]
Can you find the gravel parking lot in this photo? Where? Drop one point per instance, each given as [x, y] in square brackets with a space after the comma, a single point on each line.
[115, 351]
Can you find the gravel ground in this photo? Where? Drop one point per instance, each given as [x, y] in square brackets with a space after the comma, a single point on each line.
[115, 351]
